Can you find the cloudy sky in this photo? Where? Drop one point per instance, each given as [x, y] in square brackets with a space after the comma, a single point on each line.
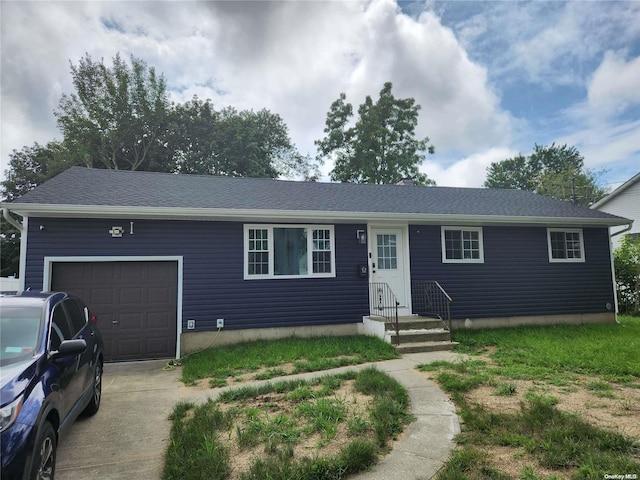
[493, 78]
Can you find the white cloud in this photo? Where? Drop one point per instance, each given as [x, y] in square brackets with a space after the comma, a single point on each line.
[601, 128]
[293, 58]
[615, 85]
[545, 43]
[424, 60]
[607, 144]
[468, 172]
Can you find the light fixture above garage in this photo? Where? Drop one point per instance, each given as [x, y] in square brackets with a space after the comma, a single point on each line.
[116, 232]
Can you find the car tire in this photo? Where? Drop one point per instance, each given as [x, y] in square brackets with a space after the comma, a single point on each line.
[96, 391]
[43, 458]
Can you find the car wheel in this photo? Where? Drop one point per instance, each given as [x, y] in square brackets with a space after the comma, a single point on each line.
[94, 403]
[43, 465]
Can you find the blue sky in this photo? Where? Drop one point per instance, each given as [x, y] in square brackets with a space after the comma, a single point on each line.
[493, 78]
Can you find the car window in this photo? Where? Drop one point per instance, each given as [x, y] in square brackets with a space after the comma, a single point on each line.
[60, 328]
[76, 314]
[20, 332]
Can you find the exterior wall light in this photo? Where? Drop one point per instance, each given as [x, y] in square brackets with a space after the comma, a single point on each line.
[362, 237]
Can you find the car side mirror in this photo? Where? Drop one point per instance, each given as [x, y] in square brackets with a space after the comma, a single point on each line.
[69, 348]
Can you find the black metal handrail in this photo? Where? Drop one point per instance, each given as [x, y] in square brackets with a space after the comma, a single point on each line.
[384, 303]
[430, 299]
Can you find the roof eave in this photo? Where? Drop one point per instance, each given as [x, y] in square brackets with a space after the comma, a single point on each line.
[172, 213]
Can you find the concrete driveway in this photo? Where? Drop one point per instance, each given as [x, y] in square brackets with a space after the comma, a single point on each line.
[128, 436]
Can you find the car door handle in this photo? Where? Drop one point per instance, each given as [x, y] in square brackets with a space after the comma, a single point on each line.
[115, 322]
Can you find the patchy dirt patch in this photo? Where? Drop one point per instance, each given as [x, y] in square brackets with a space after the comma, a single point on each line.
[309, 444]
[512, 461]
[617, 408]
[618, 411]
[606, 405]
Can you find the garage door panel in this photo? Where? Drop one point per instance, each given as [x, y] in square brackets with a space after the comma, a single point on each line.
[131, 296]
[129, 275]
[129, 349]
[159, 294]
[99, 272]
[140, 297]
[159, 320]
[100, 296]
[156, 345]
[108, 345]
[131, 322]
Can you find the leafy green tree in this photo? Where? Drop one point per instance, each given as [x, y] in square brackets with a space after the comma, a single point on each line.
[381, 147]
[32, 166]
[235, 143]
[9, 249]
[626, 260]
[117, 116]
[555, 171]
[28, 168]
[191, 138]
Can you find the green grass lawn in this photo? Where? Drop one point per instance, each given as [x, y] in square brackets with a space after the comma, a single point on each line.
[609, 351]
[306, 355]
[561, 444]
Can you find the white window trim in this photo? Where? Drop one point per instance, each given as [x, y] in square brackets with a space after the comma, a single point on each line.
[270, 227]
[462, 260]
[566, 260]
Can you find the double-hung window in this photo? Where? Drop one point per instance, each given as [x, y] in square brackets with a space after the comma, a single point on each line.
[462, 245]
[565, 245]
[289, 251]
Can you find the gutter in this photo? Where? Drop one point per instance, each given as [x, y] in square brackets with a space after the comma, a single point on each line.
[196, 213]
[12, 221]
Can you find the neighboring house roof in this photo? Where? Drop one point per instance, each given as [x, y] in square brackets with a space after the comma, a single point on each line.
[632, 181]
[84, 192]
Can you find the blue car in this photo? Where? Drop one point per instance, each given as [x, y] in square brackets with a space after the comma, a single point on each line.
[51, 359]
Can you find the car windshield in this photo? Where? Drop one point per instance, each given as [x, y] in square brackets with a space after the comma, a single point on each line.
[19, 332]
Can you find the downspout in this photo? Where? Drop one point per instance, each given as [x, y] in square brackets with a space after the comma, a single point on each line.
[613, 267]
[22, 228]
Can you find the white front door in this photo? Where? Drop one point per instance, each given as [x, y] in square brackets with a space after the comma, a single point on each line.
[388, 261]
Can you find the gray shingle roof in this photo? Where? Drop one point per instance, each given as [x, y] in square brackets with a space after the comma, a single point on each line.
[140, 190]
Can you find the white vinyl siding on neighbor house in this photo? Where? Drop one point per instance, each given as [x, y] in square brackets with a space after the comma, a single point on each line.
[288, 251]
[462, 245]
[565, 245]
[624, 202]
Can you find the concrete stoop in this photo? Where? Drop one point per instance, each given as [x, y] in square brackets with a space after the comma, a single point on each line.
[420, 347]
[420, 334]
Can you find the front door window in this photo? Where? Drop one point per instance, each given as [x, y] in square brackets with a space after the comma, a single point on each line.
[387, 252]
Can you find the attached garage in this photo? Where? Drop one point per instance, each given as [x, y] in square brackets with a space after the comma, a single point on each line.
[136, 303]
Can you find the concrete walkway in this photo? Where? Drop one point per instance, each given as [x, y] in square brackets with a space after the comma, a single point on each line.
[129, 435]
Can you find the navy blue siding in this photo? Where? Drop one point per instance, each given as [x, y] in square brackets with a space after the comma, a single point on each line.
[516, 277]
[213, 284]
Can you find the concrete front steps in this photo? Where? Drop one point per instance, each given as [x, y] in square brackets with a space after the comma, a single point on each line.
[420, 334]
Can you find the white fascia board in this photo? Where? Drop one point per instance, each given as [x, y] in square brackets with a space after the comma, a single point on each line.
[222, 214]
